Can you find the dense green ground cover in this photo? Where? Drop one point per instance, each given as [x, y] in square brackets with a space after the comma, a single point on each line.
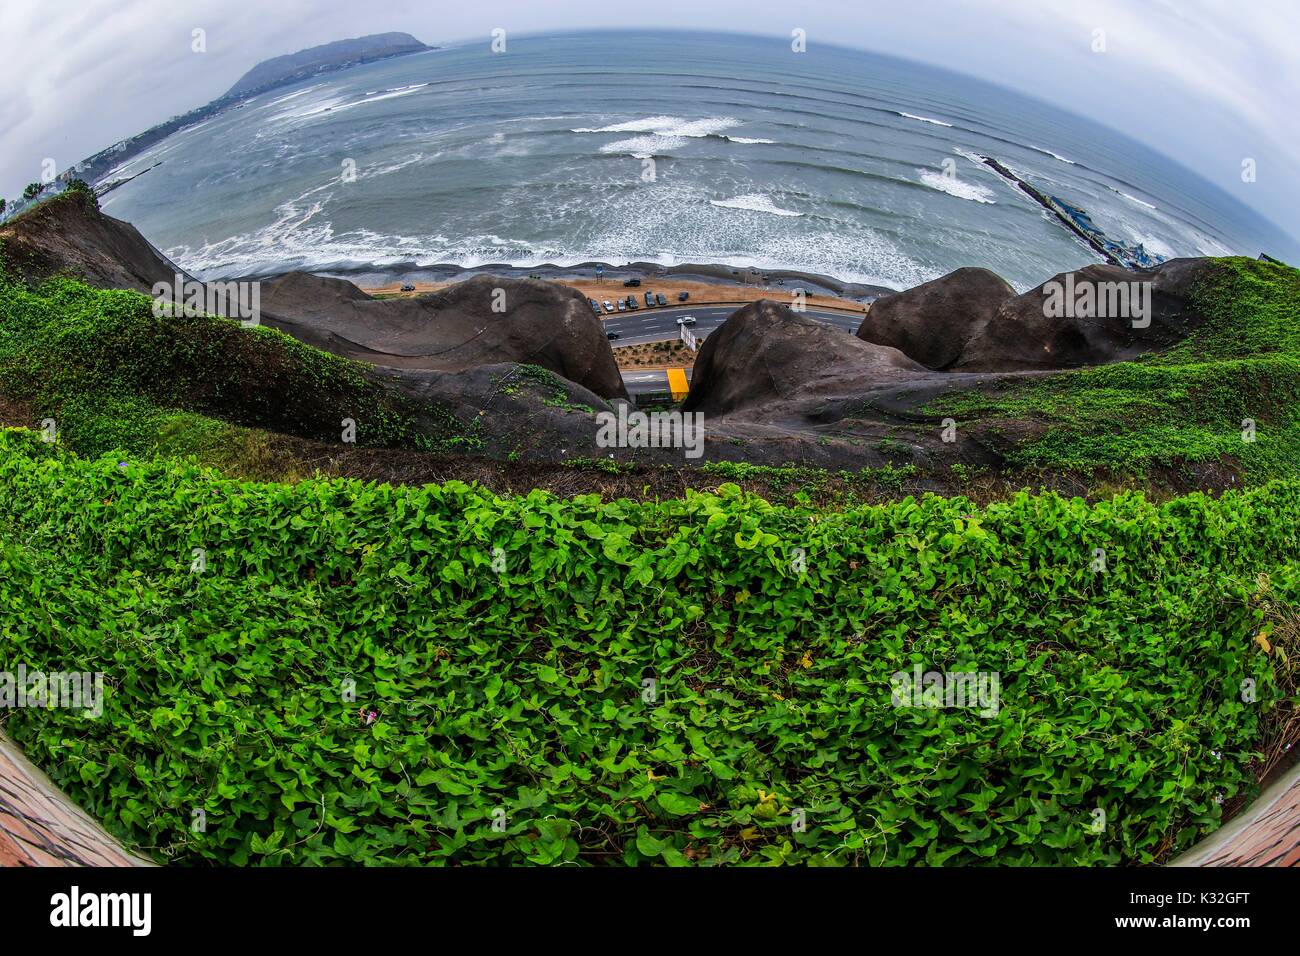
[514, 692]
[1186, 404]
[115, 376]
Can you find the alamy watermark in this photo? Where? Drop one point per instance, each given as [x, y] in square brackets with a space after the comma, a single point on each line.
[232, 300]
[129, 910]
[1098, 300]
[637, 429]
[74, 690]
[937, 690]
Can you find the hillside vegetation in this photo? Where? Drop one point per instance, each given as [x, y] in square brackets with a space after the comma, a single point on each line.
[115, 376]
[501, 650]
[1186, 404]
[332, 671]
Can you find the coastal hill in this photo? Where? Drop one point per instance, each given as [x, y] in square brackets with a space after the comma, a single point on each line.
[325, 58]
[267, 75]
[70, 235]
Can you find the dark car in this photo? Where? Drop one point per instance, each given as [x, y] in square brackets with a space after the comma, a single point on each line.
[659, 297]
[595, 306]
[631, 283]
[649, 298]
[408, 288]
[612, 336]
[631, 303]
[683, 296]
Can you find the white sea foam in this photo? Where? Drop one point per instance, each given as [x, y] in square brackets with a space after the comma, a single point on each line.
[337, 104]
[1156, 245]
[954, 186]
[503, 146]
[643, 147]
[671, 225]
[663, 134]
[289, 96]
[393, 167]
[1048, 152]
[1133, 199]
[923, 119]
[754, 202]
[399, 89]
[669, 126]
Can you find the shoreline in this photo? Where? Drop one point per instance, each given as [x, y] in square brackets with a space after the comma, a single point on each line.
[749, 284]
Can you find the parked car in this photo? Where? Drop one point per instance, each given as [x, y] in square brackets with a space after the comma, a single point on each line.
[622, 306]
[631, 283]
[612, 336]
[408, 288]
[686, 320]
[683, 296]
[595, 306]
[631, 302]
[659, 297]
[609, 306]
[649, 299]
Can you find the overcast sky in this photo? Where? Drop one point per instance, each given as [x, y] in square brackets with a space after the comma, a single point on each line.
[1207, 82]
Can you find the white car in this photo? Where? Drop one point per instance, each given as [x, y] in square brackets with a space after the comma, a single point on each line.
[609, 306]
[686, 320]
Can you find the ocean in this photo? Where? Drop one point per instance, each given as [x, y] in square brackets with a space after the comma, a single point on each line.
[833, 161]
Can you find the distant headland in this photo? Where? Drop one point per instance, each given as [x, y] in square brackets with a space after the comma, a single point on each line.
[267, 75]
[326, 58]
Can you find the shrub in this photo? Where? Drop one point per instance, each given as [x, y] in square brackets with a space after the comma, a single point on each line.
[510, 685]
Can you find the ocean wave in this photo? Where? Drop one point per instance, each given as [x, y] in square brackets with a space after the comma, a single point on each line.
[395, 166]
[1155, 244]
[754, 202]
[398, 89]
[337, 104]
[663, 134]
[1048, 152]
[1133, 199]
[289, 96]
[954, 186]
[669, 126]
[643, 147]
[923, 119]
[674, 225]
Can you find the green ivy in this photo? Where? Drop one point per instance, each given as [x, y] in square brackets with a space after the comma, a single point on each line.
[504, 644]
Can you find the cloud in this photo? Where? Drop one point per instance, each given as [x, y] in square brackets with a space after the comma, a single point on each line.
[1203, 81]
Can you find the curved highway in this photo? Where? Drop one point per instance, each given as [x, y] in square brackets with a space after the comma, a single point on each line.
[660, 325]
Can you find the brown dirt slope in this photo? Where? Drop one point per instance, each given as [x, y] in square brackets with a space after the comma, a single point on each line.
[69, 235]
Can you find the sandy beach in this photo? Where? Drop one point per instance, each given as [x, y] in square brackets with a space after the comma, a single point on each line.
[701, 293]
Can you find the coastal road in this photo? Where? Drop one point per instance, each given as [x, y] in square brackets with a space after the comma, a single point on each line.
[649, 381]
[660, 324]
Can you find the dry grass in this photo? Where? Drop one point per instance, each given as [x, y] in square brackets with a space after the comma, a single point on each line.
[653, 355]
